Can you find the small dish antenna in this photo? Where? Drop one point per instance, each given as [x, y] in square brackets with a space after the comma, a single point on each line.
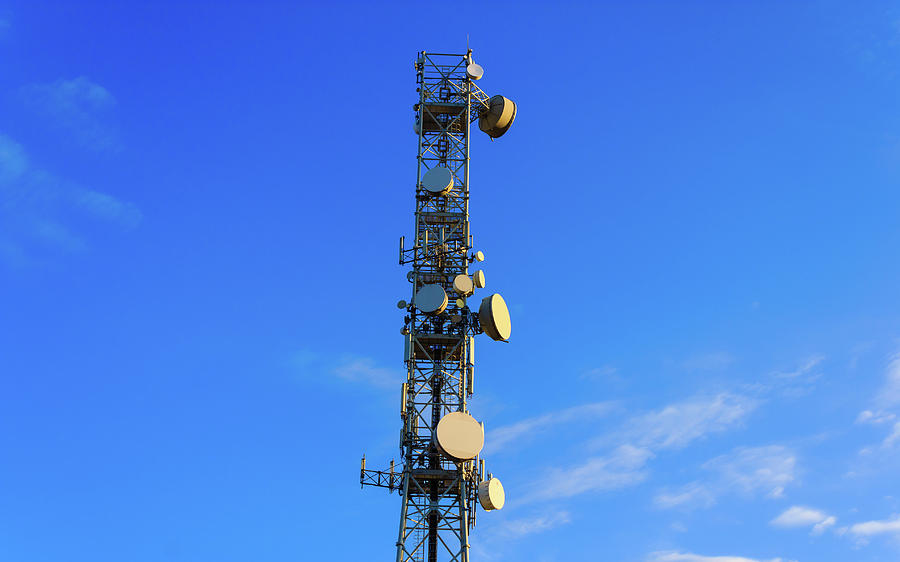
[474, 71]
[478, 279]
[463, 284]
[459, 437]
[494, 317]
[460, 303]
[479, 256]
[438, 180]
[401, 304]
[491, 494]
[431, 299]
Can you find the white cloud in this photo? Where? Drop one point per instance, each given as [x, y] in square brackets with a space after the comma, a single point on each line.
[521, 430]
[672, 556]
[804, 368]
[798, 516]
[623, 467]
[529, 526]
[877, 417]
[893, 438]
[679, 424]
[746, 471]
[889, 395]
[690, 496]
[78, 105]
[749, 470]
[362, 369]
[872, 528]
[37, 208]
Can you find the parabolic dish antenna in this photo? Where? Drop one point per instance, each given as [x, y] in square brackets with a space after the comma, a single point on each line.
[479, 256]
[494, 317]
[463, 285]
[431, 299]
[478, 279]
[459, 437]
[491, 494]
[497, 120]
[438, 180]
[474, 71]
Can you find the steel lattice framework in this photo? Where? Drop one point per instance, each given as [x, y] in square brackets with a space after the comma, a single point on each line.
[439, 495]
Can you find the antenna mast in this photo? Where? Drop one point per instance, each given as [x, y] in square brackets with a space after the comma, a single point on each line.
[443, 479]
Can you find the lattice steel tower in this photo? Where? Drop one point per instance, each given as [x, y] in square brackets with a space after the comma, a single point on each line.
[442, 478]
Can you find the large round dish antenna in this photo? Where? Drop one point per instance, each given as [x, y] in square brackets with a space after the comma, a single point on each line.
[474, 71]
[438, 180]
[498, 118]
[459, 437]
[463, 285]
[431, 299]
[478, 279]
[491, 494]
[494, 317]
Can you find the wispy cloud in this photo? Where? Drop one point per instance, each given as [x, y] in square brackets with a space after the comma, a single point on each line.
[38, 209]
[889, 395]
[621, 468]
[634, 444]
[363, 369]
[678, 425]
[531, 525]
[875, 418]
[530, 427]
[673, 556]
[799, 516]
[750, 470]
[864, 531]
[746, 471]
[806, 367]
[79, 106]
[887, 399]
[694, 495]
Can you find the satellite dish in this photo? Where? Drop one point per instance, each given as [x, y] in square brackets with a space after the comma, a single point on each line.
[438, 180]
[463, 285]
[431, 299]
[491, 494]
[401, 304]
[479, 256]
[459, 437]
[460, 303]
[478, 279]
[474, 71]
[494, 317]
[498, 118]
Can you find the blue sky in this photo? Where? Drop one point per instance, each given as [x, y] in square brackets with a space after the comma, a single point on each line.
[694, 220]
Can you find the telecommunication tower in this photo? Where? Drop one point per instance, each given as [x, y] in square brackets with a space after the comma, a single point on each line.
[442, 479]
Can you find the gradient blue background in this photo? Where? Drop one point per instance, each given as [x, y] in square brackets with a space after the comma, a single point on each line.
[694, 220]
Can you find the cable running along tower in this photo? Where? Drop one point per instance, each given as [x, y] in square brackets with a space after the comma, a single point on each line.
[442, 479]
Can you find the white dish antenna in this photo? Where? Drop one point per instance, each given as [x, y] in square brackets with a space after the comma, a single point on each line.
[459, 437]
[460, 303]
[498, 118]
[491, 494]
[478, 279]
[494, 317]
[479, 256]
[438, 180]
[431, 299]
[474, 71]
[463, 284]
